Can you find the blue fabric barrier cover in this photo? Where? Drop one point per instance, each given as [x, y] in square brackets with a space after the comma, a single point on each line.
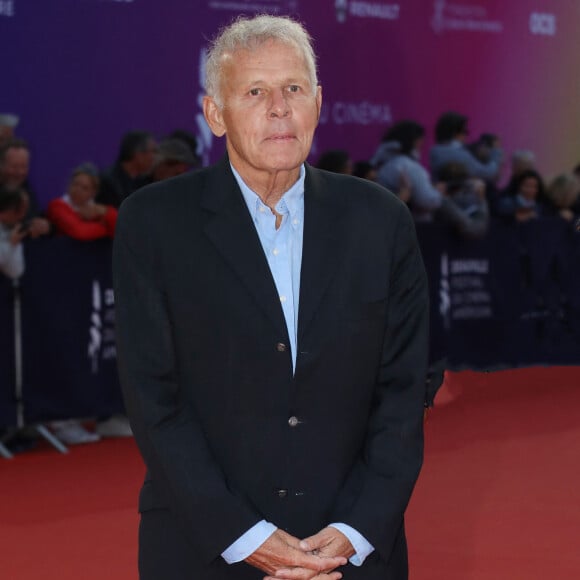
[7, 399]
[508, 300]
[68, 330]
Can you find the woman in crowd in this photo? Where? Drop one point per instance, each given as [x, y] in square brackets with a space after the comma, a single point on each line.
[399, 169]
[526, 198]
[76, 214]
[563, 194]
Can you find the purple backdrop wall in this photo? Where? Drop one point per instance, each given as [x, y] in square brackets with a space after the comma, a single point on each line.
[80, 73]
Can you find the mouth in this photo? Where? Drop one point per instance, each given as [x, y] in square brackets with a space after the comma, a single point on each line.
[281, 137]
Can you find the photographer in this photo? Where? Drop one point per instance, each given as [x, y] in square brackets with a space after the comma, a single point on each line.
[13, 207]
[482, 159]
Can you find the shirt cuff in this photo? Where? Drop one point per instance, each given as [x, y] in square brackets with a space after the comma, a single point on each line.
[361, 545]
[249, 542]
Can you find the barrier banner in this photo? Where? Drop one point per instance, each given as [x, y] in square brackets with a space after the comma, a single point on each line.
[68, 334]
[510, 299]
[7, 399]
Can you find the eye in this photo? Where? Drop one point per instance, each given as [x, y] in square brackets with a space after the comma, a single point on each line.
[294, 88]
[254, 92]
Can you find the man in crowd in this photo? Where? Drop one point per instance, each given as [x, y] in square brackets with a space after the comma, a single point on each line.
[14, 169]
[272, 338]
[173, 158]
[129, 173]
[13, 208]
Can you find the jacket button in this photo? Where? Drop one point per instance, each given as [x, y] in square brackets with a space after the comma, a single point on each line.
[293, 421]
[281, 347]
[282, 493]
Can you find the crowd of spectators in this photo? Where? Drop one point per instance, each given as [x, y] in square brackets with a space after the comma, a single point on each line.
[86, 211]
[459, 187]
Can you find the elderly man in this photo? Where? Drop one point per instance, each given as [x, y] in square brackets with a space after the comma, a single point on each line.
[272, 330]
[14, 169]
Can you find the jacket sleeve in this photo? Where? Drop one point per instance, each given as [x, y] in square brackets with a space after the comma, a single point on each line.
[170, 438]
[376, 492]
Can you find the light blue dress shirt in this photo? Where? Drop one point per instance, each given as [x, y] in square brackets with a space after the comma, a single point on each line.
[283, 250]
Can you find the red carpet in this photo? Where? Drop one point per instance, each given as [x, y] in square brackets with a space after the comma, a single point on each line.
[498, 498]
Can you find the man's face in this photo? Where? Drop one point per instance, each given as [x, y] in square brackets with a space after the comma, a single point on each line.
[270, 110]
[14, 170]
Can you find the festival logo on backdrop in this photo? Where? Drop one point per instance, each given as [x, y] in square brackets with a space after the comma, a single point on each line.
[356, 113]
[255, 6]
[8, 8]
[102, 327]
[453, 17]
[468, 281]
[362, 9]
[543, 24]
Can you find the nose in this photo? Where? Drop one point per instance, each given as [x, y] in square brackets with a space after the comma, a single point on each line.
[279, 105]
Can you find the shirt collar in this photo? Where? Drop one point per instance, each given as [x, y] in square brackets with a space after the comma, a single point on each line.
[292, 202]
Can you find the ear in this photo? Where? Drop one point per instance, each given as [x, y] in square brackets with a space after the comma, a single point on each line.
[213, 117]
[318, 101]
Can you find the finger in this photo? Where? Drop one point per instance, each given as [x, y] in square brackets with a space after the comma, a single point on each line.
[315, 542]
[315, 563]
[310, 564]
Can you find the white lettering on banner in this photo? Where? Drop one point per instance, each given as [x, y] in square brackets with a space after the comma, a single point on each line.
[363, 113]
[470, 266]
[7, 8]
[444, 294]
[467, 288]
[543, 24]
[265, 6]
[361, 9]
[102, 326]
[369, 10]
[457, 17]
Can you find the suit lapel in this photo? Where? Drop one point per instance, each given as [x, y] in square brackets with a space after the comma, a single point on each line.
[233, 233]
[323, 242]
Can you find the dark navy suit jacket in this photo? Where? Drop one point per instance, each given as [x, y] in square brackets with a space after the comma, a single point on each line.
[207, 372]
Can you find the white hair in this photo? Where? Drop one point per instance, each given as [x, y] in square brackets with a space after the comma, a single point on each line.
[250, 33]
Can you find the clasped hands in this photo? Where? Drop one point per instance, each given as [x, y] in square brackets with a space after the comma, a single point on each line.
[282, 556]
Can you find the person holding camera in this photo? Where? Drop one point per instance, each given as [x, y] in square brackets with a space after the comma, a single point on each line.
[482, 160]
[13, 229]
[14, 170]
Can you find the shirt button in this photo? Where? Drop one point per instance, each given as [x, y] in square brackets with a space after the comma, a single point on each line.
[281, 347]
[275, 251]
[282, 298]
[295, 222]
[293, 421]
[282, 493]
